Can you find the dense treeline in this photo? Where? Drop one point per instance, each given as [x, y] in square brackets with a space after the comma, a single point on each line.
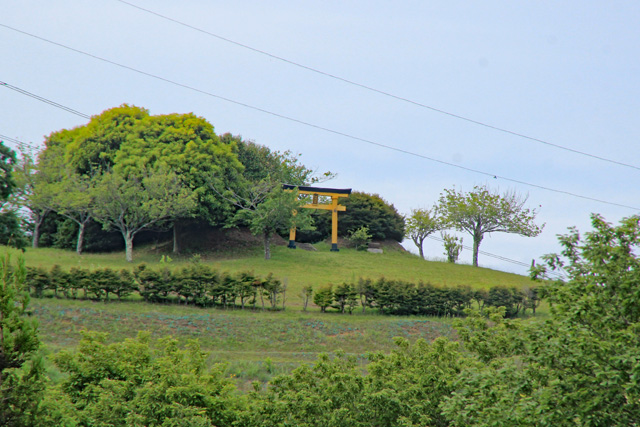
[201, 285]
[127, 173]
[101, 186]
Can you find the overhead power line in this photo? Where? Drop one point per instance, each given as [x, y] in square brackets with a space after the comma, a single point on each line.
[379, 91]
[498, 257]
[325, 129]
[19, 143]
[45, 100]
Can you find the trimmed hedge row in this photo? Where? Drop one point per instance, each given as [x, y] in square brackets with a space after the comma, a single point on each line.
[424, 299]
[196, 284]
[200, 285]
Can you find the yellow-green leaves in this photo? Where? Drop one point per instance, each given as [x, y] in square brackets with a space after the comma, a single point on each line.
[483, 211]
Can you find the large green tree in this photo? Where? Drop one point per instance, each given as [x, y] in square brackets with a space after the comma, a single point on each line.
[127, 140]
[271, 212]
[187, 145]
[131, 203]
[483, 211]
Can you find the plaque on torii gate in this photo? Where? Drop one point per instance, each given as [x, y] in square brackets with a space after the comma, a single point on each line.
[334, 207]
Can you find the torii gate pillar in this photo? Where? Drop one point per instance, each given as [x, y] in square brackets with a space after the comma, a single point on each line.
[334, 207]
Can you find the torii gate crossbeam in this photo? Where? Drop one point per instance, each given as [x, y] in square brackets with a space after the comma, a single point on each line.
[334, 207]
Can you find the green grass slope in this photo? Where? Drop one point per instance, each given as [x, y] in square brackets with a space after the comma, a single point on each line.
[257, 345]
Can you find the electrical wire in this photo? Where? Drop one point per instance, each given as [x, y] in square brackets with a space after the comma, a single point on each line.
[498, 257]
[315, 126]
[45, 100]
[22, 145]
[378, 91]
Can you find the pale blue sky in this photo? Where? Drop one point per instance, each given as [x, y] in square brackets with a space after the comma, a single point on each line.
[564, 72]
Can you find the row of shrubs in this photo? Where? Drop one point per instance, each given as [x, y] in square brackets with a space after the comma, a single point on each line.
[195, 284]
[201, 285]
[405, 298]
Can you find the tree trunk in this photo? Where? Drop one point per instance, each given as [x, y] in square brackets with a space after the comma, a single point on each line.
[284, 293]
[80, 244]
[262, 297]
[128, 243]
[267, 246]
[420, 249]
[36, 234]
[476, 247]
[176, 243]
[36, 228]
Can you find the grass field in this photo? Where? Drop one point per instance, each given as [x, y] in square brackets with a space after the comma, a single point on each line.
[257, 345]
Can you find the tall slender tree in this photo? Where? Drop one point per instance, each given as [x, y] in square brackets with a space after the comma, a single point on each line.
[27, 195]
[421, 224]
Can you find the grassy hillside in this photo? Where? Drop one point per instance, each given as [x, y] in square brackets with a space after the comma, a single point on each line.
[257, 345]
[254, 345]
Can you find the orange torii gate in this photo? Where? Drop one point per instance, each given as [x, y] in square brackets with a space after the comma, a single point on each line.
[334, 207]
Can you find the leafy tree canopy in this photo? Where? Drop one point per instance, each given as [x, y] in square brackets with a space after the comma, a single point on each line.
[263, 164]
[133, 203]
[187, 145]
[372, 211]
[92, 148]
[421, 224]
[127, 138]
[483, 211]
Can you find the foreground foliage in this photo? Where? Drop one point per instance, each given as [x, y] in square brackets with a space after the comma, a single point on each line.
[128, 384]
[22, 379]
[582, 366]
